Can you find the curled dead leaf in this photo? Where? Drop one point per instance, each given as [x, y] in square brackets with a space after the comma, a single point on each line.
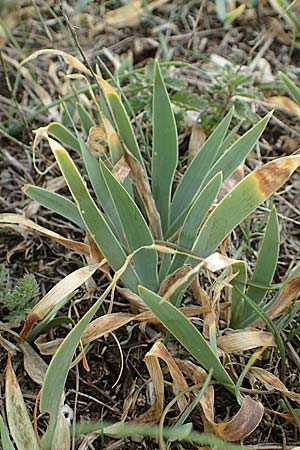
[104, 325]
[243, 423]
[97, 139]
[171, 279]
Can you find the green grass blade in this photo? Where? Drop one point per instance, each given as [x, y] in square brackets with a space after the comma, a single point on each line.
[92, 217]
[63, 135]
[165, 148]
[5, 439]
[195, 174]
[271, 326]
[241, 201]
[85, 118]
[135, 229]
[57, 372]
[195, 217]
[100, 189]
[266, 263]
[153, 431]
[229, 139]
[123, 125]
[238, 151]
[55, 202]
[290, 86]
[186, 333]
[237, 302]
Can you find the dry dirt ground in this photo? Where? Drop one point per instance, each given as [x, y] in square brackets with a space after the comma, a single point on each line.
[186, 31]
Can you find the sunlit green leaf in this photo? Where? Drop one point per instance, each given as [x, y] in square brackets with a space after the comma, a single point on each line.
[91, 215]
[266, 263]
[135, 229]
[186, 333]
[5, 439]
[63, 135]
[165, 148]
[55, 202]
[193, 179]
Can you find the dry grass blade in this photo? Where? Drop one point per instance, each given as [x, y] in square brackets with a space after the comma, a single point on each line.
[104, 325]
[159, 351]
[284, 104]
[142, 185]
[17, 415]
[57, 293]
[284, 300]
[34, 365]
[16, 219]
[272, 382]
[240, 341]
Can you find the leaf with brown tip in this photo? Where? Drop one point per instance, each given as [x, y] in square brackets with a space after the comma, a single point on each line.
[253, 190]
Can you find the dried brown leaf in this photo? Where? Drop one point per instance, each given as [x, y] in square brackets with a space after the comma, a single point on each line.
[65, 287]
[240, 341]
[97, 139]
[104, 325]
[121, 170]
[284, 104]
[17, 416]
[273, 382]
[142, 185]
[197, 139]
[47, 348]
[34, 365]
[232, 181]
[206, 404]
[173, 278]
[277, 31]
[21, 221]
[243, 423]
[130, 14]
[288, 294]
